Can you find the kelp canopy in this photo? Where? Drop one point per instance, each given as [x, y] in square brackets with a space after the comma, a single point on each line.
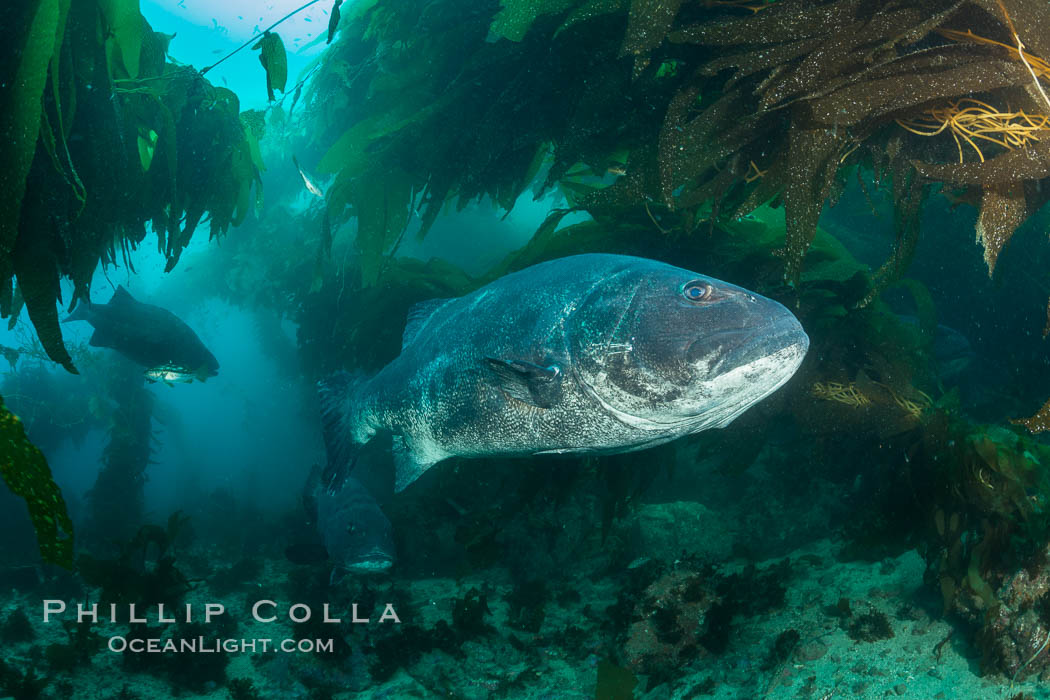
[675, 114]
[100, 134]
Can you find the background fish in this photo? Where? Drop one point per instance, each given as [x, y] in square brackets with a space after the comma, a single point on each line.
[355, 532]
[952, 351]
[585, 354]
[146, 334]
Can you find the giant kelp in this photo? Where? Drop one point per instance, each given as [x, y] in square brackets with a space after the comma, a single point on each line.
[680, 110]
[103, 134]
[116, 499]
[25, 471]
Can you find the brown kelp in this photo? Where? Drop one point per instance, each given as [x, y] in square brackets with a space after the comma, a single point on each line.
[103, 135]
[679, 113]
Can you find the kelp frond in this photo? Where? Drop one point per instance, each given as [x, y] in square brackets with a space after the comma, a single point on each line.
[1041, 67]
[971, 119]
[752, 5]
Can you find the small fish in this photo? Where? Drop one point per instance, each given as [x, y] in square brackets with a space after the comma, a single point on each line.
[172, 374]
[310, 186]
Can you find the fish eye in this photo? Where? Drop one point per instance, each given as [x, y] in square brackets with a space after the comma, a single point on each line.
[697, 291]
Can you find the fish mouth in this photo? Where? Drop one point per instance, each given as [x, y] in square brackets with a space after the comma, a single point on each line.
[741, 346]
[375, 562]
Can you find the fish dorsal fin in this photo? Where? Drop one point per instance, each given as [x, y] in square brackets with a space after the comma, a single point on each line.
[526, 381]
[121, 297]
[418, 315]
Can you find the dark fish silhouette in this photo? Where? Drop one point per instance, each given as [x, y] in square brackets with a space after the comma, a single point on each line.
[355, 532]
[349, 530]
[149, 335]
[952, 351]
[585, 354]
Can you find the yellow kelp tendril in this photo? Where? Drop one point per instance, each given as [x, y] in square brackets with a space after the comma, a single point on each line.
[972, 119]
[841, 393]
[915, 407]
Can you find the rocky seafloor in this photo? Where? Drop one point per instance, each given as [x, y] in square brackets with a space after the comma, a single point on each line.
[669, 624]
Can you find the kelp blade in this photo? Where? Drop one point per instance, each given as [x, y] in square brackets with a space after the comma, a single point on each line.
[25, 471]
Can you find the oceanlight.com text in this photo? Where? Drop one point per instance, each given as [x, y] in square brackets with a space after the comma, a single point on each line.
[203, 645]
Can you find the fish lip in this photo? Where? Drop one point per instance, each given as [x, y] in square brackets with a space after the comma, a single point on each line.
[376, 565]
[374, 562]
[738, 337]
[775, 334]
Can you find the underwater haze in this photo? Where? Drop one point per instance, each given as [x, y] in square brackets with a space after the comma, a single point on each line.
[577, 349]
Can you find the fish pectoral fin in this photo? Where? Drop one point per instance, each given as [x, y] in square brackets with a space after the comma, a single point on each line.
[101, 339]
[408, 466]
[337, 576]
[526, 381]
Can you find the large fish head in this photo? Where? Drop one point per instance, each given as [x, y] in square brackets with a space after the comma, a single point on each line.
[670, 350]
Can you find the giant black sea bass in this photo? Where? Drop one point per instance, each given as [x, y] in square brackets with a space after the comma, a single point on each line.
[153, 337]
[589, 354]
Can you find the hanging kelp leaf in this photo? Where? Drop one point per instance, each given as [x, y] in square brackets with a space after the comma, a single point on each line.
[17, 302]
[25, 471]
[780, 22]
[1003, 209]
[20, 111]
[125, 29]
[591, 9]
[333, 20]
[516, 16]
[381, 205]
[147, 142]
[1029, 163]
[350, 152]
[811, 164]
[37, 274]
[1038, 423]
[1029, 18]
[274, 61]
[647, 24]
[254, 123]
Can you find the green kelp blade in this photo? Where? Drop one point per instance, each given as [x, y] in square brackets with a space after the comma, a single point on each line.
[516, 16]
[125, 29]
[274, 60]
[21, 105]
[25, 471]
[333, 20]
